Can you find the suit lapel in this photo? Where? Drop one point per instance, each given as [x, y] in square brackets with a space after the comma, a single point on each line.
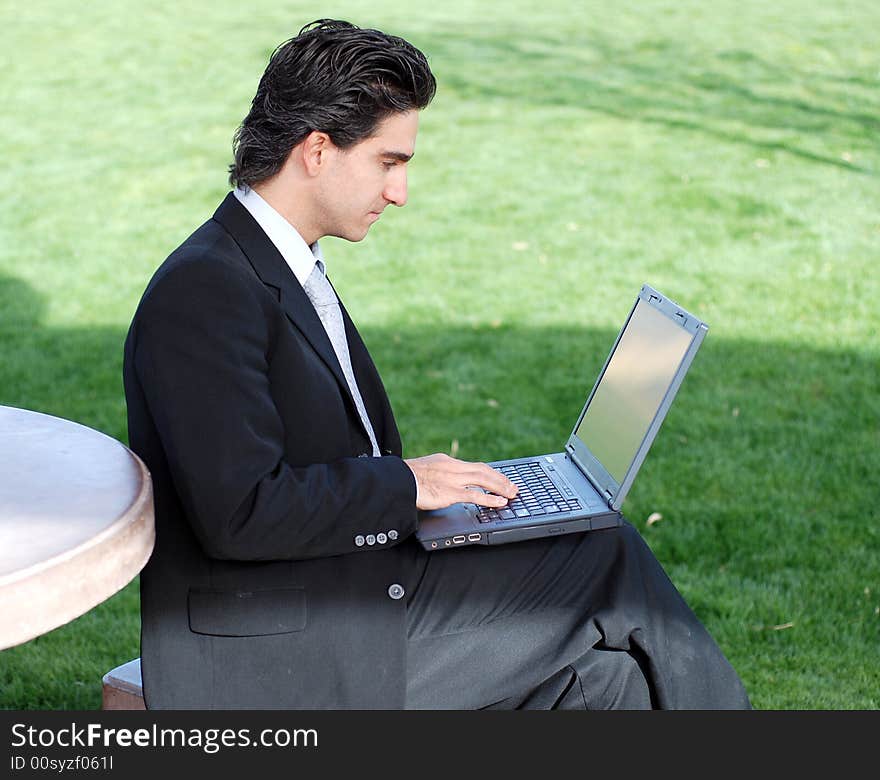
[274, 272]
[372, 389]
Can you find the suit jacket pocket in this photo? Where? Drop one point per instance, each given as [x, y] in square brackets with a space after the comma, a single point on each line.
[247, 613]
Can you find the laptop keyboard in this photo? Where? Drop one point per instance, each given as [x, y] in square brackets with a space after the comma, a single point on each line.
[537, 496]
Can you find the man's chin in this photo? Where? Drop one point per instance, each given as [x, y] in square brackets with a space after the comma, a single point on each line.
[351, 235]
[359, 235]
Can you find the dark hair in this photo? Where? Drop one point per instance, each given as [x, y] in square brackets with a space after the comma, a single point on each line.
[333, 77]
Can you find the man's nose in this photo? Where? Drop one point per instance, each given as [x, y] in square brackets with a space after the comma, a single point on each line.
[396, 188]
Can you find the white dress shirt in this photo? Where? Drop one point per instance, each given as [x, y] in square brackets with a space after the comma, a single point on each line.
[296, 252]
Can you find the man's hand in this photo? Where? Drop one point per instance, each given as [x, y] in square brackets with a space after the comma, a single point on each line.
[441, 481]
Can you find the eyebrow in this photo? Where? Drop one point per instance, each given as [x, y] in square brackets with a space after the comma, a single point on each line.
[400, 156]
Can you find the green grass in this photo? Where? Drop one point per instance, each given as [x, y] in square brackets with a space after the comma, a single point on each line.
[725, 153]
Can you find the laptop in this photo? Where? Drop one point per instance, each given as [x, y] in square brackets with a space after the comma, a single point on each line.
[583, 487]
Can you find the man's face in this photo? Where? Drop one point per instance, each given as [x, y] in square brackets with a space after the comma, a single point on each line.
[360, 182]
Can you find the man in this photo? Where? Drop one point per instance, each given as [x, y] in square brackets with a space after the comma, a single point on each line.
[285, 572]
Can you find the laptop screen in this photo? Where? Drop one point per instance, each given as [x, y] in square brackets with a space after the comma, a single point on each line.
[632, 389]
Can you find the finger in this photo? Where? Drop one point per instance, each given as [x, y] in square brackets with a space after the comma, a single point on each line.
[492, 480]
[483, 499]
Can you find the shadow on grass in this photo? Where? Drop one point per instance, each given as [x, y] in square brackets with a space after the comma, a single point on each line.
[732, 95]
[764, 472]
[75, 373]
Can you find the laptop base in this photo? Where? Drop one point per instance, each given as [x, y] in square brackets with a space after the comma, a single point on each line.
[522, 533]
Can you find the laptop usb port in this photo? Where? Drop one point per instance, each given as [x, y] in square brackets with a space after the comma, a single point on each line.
[474, 537]
[458, 539]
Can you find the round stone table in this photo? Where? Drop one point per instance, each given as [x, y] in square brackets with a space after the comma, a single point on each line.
[76, 521]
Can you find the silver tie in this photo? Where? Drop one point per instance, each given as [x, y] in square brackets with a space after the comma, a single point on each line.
[327, 305]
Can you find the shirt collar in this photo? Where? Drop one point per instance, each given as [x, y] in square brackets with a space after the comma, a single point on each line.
[296, 252]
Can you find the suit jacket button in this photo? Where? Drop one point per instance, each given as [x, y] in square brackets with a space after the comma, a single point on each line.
[396, 591]
[392, 535]
[359, 540]
[371, 540]
[381, 538]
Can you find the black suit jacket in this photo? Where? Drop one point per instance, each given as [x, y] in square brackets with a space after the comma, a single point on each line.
[257, 595]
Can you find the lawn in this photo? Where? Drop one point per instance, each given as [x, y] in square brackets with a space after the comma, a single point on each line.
[724, 153]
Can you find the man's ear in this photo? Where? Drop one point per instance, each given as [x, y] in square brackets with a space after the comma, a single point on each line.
[316, 149]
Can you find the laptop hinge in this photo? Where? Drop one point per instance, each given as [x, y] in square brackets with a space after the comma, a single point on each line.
[604, 492]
